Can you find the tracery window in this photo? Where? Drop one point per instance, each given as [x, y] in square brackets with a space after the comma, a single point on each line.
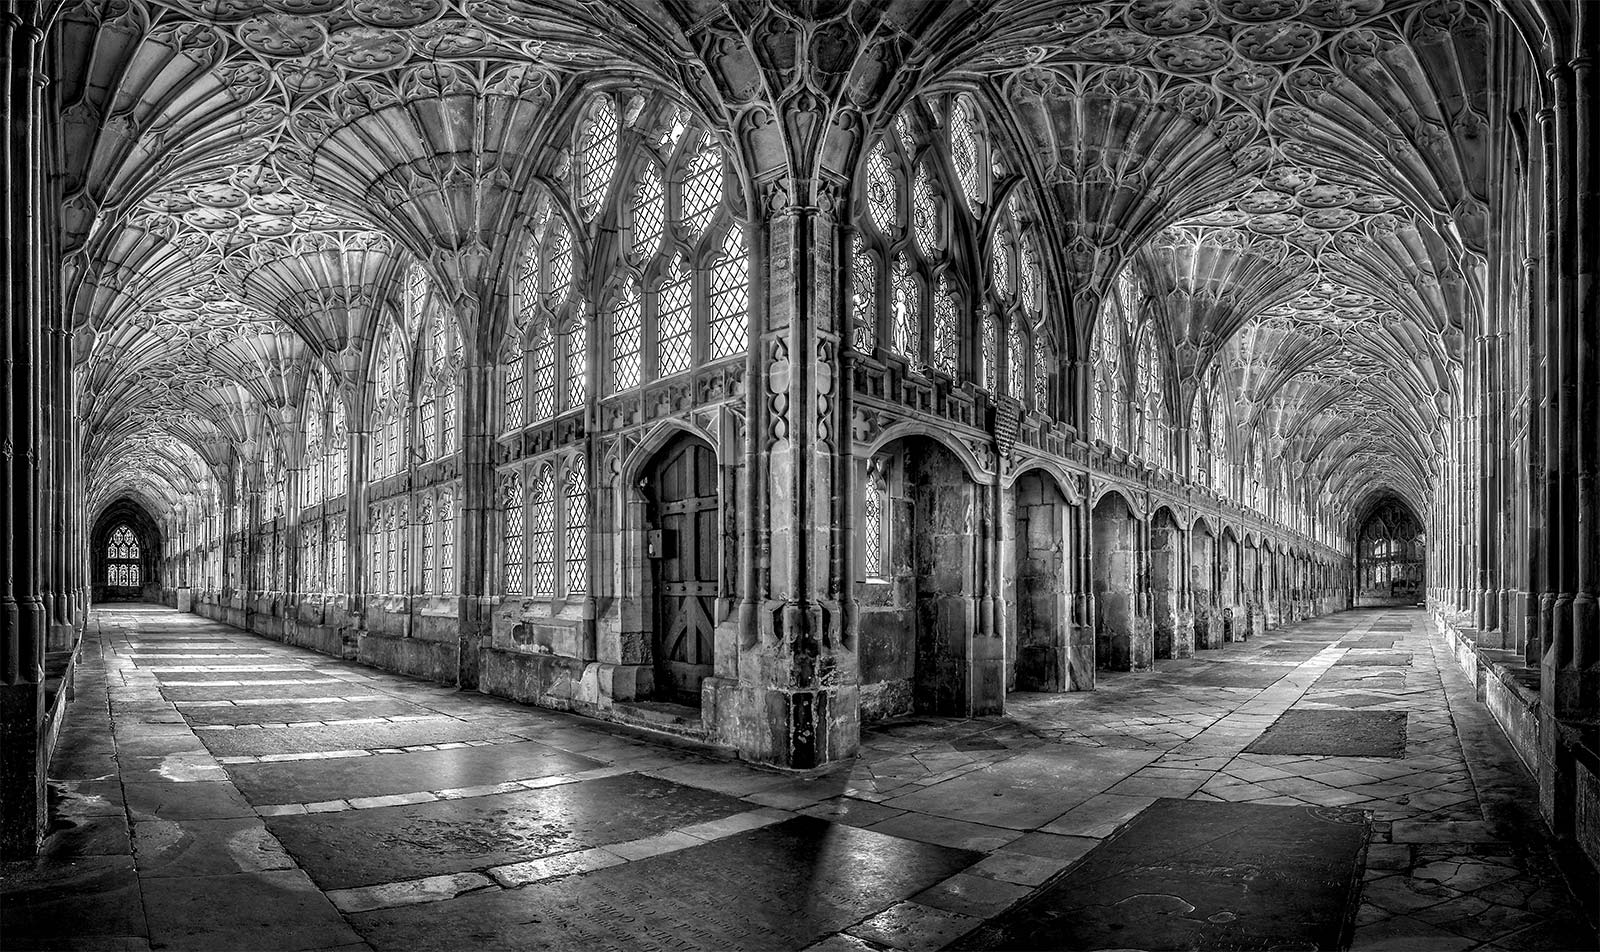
[273, 479]
[679, 297]
[122, 558]
[923, 280]
[425, 520]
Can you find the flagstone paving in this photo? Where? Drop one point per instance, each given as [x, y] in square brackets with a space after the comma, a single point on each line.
[217, 790]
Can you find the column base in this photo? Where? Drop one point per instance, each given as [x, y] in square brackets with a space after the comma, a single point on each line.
[796, 729]
[23, 803]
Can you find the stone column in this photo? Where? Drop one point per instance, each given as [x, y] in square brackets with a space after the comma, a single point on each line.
[1570, 681]
[795, 701]
[23, 618]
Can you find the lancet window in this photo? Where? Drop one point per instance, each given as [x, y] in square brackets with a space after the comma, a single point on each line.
[314, 470]
[1152, 392]
[875, 521]
[440, 386]
[391, 400]
[1216, 412]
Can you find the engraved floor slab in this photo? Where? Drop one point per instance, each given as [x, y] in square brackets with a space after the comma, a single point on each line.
[1188, 874]
[1335, 733]
[779, 887]
[1400, 659]
[332, 710]
[310, 781]
[386, 844]
[230, 692]
[256, 741]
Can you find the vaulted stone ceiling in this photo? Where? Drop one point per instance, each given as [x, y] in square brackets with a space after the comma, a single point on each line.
[1301, 183]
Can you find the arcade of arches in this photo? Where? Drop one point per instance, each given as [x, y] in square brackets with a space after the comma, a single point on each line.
[760, 371]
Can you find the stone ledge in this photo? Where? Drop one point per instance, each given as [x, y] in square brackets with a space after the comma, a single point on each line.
[1505, 685]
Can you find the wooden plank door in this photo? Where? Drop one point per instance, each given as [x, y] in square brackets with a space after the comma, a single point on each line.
[685, 513]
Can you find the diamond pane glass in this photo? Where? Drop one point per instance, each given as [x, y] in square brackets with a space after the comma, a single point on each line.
[542, 377]
[730, 298]
[882, 200]
[597, 154]
[702, 188]
[515, 410]
[576, 520]
[674, 352]
[447, 543]
[515, 520]
[542, 532]
[577, 367]
[864, 297]
[626, 338]
[964, 152]
[924, 220]
[560, 264]
[1000, 263]
[874, 507]
[649, 214]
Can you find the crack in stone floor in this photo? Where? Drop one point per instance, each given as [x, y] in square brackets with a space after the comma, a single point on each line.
[217, 790]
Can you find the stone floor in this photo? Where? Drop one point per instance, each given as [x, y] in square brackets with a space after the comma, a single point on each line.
[1333, 783]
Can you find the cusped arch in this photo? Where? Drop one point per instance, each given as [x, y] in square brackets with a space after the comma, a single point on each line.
[657, 439]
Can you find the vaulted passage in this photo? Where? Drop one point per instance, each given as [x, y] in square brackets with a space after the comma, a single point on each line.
[775, 377]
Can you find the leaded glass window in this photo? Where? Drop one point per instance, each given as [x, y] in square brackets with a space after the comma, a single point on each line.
[730, 297]
[944, 328]
[964, 152]
[445, 515]
[597, 154]
[541, 363]
[924, 216]
[425, 518]
[702, 188]
[512, 534]
[991, 354]
[315, 463]
[875, 521]
[906, 337]
[575, 518]
[1017, 361]
[864, 296]
[649, 214]
[626, 338]
[577, 366]
[675, 322]
[542, 532]
[882, 200]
